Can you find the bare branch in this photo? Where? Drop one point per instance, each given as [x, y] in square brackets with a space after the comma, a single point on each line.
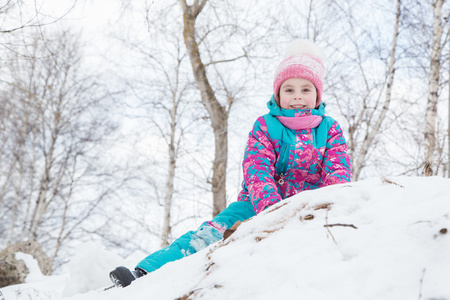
[343, 225]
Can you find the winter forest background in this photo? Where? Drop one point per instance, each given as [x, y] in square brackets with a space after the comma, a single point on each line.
[124, 122]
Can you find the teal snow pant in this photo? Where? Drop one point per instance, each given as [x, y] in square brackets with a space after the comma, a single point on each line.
[194, 241]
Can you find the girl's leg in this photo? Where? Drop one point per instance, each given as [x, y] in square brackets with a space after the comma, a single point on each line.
[194, 241]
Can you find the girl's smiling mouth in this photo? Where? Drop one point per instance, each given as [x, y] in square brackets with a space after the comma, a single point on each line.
[298, 106]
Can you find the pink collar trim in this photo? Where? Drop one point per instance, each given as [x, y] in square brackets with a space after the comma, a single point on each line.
[300, 122]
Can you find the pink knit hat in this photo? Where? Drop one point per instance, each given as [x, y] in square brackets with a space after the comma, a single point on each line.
[303, 59]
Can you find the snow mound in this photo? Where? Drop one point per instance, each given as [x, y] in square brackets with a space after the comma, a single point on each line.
[32, 266]
[377, 240]
[89, 269]
[373, 239]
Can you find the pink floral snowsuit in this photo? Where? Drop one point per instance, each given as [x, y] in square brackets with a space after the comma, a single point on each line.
[314, 158]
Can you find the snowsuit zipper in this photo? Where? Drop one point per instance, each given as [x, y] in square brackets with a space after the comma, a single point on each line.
[282, 163]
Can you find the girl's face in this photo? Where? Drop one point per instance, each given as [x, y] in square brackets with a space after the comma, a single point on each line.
[298, 93]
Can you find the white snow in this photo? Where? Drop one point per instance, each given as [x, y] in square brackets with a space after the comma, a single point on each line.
[89, 269]
[32, 266]
[387, 240]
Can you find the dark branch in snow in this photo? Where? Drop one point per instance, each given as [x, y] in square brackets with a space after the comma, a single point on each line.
[344, 225]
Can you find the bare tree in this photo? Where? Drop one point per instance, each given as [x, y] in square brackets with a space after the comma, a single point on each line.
[218, 89]
[372, 132]
[165, 79]
[22, 15]
[358, 93]
[218, 113]
[163, 98]
[55, 128]
[435, 67]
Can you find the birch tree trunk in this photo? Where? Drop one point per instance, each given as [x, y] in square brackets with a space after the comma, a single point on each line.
[218, 114]
[166, 230]
[371, 133]
[41, 201]
[18, 188]
[431, 110]
[165, 67]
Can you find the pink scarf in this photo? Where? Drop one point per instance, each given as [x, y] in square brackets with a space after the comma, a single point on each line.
[300, 122]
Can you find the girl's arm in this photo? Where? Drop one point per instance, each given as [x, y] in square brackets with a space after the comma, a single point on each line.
[336, 162]
[259, 186]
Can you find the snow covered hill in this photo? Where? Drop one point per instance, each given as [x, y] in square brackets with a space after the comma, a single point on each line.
[373, 239]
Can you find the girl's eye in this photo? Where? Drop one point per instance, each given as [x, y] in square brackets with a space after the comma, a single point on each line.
[288, 90]
[306, 90]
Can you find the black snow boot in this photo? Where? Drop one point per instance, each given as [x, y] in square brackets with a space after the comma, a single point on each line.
[122, 277]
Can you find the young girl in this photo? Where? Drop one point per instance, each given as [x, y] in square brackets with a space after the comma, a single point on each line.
[293, 148]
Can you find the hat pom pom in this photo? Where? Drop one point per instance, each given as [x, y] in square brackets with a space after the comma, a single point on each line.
[303, 46]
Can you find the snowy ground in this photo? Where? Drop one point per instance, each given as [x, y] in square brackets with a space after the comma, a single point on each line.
[378, 240]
